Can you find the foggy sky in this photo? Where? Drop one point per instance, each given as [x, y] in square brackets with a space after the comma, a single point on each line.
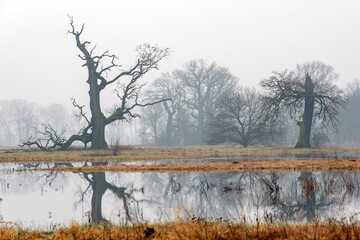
[252, 38]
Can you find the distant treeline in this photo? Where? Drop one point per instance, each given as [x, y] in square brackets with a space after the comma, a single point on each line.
[21, 119]
[206, 104]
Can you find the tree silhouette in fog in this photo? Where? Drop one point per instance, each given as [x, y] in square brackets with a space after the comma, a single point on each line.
[309, 91]
[103, 71]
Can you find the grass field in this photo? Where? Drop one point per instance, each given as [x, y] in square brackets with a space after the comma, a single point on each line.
[272, 159]
[194, 229]
[158, 154]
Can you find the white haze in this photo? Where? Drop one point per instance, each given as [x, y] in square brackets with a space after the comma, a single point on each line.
[39, 60]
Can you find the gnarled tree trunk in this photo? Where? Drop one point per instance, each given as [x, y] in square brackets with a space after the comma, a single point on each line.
[94, 131]
[169, 124]
[98, 119]
[307, 117]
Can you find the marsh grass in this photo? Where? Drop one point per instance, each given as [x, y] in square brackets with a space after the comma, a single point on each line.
[129, 153]
[317, 165]
[197, 229]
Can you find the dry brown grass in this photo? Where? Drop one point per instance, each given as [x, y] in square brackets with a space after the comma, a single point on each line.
[197, 229]
[318, 165]
[156, 154]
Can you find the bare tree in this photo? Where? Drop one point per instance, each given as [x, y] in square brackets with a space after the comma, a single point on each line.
[58, 116]
[349, 129]
[242, 119]
[98, 79]
[153, 120]
[24, 118]
[204, 85]
[7, 128]
[168, 86]
[18, 118]
[316, 98]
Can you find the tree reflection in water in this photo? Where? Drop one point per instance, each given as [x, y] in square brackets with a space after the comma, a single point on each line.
[294, 197]
[98, 185]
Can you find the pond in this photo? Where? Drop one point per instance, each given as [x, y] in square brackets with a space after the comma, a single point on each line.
[49, 198]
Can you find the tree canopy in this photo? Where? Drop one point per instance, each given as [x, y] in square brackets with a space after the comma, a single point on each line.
[307, 94]
[242, 118]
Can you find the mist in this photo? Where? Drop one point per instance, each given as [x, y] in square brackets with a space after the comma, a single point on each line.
[251, 39]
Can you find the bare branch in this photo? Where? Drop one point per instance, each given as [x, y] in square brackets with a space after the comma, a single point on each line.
[81, 113]
[149, 57]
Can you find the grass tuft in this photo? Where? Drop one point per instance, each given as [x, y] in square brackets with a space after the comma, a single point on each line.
[197, 228]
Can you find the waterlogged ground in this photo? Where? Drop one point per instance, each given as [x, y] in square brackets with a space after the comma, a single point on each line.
[47, 198]
[131, 154]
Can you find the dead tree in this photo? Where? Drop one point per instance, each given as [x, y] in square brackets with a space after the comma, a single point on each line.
[316, 98]
[98, 80]
[168, 86]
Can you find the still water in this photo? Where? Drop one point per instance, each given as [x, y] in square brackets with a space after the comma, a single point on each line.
[47, 198]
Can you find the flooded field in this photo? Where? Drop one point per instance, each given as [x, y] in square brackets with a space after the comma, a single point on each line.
[48, 198]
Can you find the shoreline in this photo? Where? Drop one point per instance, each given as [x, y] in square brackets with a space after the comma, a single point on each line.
[317, 165]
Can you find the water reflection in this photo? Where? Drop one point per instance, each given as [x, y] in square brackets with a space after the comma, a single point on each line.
[43, 198]
[99, 186]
